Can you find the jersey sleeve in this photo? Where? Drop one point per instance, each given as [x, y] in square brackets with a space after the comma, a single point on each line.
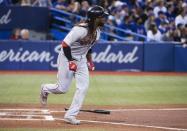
[75, 34]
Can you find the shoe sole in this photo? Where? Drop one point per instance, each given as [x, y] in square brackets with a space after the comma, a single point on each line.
[70, 122]
[43, 104]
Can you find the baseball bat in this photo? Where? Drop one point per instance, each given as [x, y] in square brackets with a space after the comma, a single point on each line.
[94, 111]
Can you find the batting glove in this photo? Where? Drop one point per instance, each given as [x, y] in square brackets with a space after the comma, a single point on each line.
[72, 66]
[91, 65]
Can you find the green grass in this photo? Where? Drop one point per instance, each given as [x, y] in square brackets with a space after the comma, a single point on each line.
[104, 90]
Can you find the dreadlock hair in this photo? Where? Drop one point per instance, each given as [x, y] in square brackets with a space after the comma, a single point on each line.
[91, 35]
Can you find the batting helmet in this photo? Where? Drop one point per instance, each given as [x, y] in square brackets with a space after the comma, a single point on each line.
[96, 12]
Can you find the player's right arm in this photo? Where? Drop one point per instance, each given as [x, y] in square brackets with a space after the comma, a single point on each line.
[67, 53]
[75, 34]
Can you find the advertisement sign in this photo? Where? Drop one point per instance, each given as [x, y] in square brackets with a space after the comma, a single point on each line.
[118, 57]
[24, 55]
[159, 57]
[35, 18]
[21, 55]
[180, 58]
[42, 55]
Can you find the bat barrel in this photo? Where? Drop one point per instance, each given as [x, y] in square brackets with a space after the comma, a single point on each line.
[94, 111]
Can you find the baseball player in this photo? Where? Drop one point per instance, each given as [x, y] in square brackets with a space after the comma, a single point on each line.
[74, 60]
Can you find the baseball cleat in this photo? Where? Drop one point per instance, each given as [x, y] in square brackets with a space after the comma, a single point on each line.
[43, 97]
[72, 120]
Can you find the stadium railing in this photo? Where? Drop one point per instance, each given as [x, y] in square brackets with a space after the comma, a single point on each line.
[68, 19]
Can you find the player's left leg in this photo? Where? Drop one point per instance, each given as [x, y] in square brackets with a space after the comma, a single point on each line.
[82, 83]
[64, 76]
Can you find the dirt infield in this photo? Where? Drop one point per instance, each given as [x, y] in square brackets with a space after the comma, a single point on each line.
[136, 118]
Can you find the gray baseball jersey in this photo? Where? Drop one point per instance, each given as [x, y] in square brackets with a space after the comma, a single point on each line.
[73, 37]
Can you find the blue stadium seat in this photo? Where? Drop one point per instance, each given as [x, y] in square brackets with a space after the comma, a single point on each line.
[57, 34]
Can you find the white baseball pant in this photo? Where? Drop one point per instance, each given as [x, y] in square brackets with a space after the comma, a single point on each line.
[65, 77]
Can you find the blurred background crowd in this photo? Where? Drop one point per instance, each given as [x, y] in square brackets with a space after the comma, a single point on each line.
[159, 20]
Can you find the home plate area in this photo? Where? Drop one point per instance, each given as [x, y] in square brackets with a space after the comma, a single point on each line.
[121, 118]
[25, 114]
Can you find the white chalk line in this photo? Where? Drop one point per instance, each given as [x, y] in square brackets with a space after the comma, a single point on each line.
[26, 113]
[135, 125]
[128, 124]
[102, 122]
[44, 113]
[33, 111]
[23, 109]
[22, 119]
[9, 115]
[3, 113]
[51, 118]
[48, 117]
[57, 111]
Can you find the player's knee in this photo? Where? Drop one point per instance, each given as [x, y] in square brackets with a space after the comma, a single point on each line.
[62, 89]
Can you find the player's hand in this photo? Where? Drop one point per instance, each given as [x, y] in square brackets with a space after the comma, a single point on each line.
[72, 66]
[91, 65]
